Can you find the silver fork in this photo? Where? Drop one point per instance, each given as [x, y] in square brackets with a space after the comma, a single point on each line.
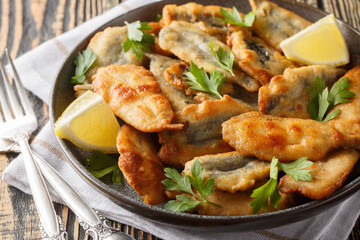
[17, 122]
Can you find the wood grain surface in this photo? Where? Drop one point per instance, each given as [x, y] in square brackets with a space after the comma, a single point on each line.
[27, 23]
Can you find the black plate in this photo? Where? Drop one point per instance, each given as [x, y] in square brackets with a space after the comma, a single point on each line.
[63, 95]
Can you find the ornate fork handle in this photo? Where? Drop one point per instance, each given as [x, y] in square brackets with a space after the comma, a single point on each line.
[52, 228]
[93, 223]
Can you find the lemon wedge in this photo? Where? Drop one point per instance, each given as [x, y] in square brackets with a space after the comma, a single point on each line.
[320, 43]
[89, 123]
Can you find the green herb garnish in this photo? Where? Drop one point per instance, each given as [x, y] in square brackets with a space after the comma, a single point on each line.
[321, 100]
[101, 164]
[296, 169]
[185, 183]
[137, 39]
[234, 18]
[224, 59]
[158, 17]
[199, 80]
[270, 189]
[83, 62]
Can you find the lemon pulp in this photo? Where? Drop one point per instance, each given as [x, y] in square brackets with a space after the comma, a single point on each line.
[89, 123]
[320, 43]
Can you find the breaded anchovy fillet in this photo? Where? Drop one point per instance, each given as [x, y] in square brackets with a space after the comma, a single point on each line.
[193, 12]
[256, 58]
[175, 75]
[237, 204]
[177, 98]
[202, 131]
[328, 175]
[107, 46]
[288, 139]
[209, 15]
[134, 95]
[231, 171]
[287, 95]
[348, 122]
[189, 43]
[274, 24]
[140, 165]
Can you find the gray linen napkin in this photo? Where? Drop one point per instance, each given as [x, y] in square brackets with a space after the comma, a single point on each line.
[37, 70]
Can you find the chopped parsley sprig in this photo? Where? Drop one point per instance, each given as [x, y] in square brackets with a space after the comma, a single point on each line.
[83, 62]
[185, 183]
[321, 100]
[199, 80]
[225, 60]
[138, 40]
[234, 17]
[270, 189]
[101, 165]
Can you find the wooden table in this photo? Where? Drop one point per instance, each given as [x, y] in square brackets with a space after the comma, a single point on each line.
[27, 23]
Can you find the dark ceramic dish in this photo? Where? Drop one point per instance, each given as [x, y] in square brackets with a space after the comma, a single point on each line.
[63, 95]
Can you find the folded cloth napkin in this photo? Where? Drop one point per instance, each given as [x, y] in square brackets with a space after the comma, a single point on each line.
[37, 70]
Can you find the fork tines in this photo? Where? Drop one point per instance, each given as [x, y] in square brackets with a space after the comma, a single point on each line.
[10, 98]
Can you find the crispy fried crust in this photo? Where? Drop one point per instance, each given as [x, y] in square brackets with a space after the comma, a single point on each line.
[177, 98]
[256, 58]
[189, 42]
[134, 95]
[328, 175]
[348, 122]
[139, 163]
[231, 171]
[107, 46]
[274, 24]
[235, 204]
[202, 131]
[209, 16]
[193, 12]
[288, 139]
[287, 95]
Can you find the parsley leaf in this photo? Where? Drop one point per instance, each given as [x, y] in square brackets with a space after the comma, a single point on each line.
[101, 164]
[321, 100]
[185, 183]
[296, 169]
[224, 59]
[83, 62]
[199, 80]
[158, 17]
[270, 189]
[234, 18]
[137, 39]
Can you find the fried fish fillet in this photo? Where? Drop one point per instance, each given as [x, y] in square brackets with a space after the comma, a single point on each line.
[193, 12]
[274, 24]
[237, 204]
[287, 95]
[134, 95]
[188, 42]
[140, 165]
[328, 175]
[107, 46]
[177, 98]
[256, 58]
[231, 171]
[288, 139]
[175, 75]
[209, 15]
[202, 131]
[348, 122]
